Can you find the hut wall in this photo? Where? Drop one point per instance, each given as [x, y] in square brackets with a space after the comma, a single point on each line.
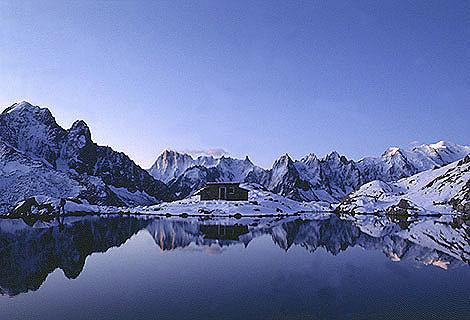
[232, 192]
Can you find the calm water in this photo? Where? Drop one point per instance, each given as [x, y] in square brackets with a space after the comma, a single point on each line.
[295, 268]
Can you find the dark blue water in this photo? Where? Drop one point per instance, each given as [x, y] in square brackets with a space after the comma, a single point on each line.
[130, 268]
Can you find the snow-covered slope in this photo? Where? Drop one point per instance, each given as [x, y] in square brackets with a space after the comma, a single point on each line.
[22, 177]
[433, 191]
[30, 135]
[259, 203]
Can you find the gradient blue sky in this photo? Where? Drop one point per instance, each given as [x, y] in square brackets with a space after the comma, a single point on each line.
[255, 78]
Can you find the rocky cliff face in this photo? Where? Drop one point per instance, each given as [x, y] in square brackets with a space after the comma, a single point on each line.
[170, 165]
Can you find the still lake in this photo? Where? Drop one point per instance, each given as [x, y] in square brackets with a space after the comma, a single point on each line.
[271, 268]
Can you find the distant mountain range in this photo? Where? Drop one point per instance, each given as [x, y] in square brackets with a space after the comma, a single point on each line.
[311, 178]
[39, 157]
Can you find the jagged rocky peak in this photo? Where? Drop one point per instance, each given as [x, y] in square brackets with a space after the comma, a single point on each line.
[80, 132]
[80, 126]
[172, 158]
[333, 155]
[309, 158]
[32, 130]
[284, 160]
[77, 150]
[25, 111]
[172, 165]
[169, 153]
[29, 112]
[464, 160]
[336, 158]
[207, 161]
[283, 176]
[19, 106]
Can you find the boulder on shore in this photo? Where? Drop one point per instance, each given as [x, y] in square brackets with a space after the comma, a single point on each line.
[402, 208]
[31, 207]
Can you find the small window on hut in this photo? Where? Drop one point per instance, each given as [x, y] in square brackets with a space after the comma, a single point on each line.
[231, 190]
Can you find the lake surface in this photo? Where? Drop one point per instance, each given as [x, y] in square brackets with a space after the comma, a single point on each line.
[271, 268]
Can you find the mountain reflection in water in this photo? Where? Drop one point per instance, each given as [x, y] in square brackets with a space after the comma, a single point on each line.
[29, 253]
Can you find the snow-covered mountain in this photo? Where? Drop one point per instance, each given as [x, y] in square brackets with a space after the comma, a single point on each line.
[308, 179]
[35, 148]
[396, 163]
[311, 178]
[23, 177]
[434, 191]
[170, 164]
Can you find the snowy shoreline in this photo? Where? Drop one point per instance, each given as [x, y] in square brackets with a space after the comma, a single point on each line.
[109, 212]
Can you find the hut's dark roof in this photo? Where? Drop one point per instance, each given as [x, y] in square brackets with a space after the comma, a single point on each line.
[208, 184]
[221, 183]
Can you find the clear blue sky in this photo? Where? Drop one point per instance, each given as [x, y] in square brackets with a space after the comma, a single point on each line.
[254, 78]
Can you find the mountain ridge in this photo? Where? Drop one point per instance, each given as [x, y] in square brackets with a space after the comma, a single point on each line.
[31, 138]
